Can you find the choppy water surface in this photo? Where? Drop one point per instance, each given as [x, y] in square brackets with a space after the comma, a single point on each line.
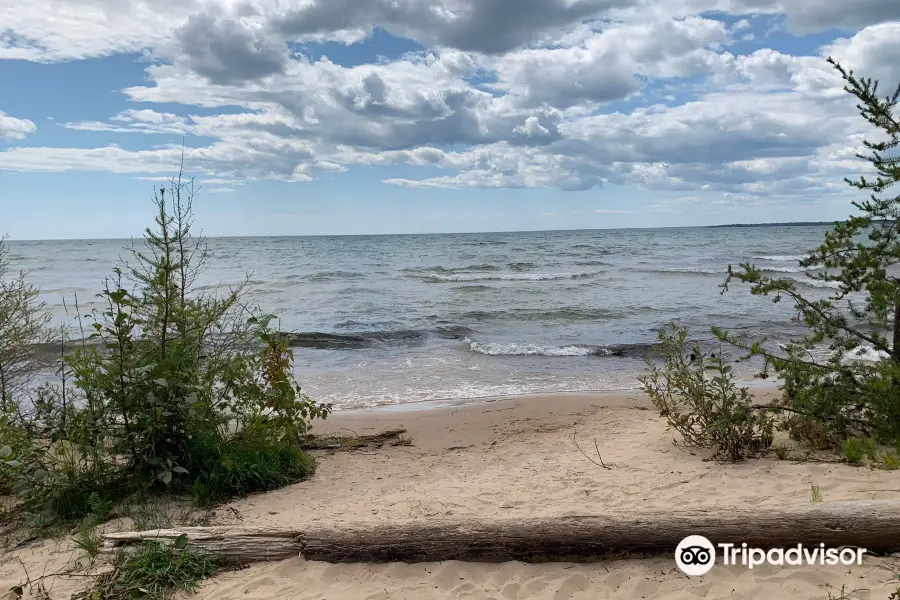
[427, 317]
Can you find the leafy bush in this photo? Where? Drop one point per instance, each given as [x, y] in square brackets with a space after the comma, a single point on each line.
[23, 323]
[708, 410]
[16, 446]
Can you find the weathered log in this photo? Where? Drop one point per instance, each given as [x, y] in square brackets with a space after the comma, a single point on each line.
[233, 545]
[874, 525]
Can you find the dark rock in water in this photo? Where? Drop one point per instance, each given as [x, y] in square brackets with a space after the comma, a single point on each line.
[634, 350]
[325, 341]
[405, 336]
[367, 339]
[453, 332]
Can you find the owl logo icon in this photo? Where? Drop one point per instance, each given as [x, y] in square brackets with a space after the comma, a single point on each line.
[695, 555]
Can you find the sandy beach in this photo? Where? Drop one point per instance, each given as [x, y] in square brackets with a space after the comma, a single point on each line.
[518, 457]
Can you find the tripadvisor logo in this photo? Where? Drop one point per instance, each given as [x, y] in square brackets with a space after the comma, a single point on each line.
[695, 555]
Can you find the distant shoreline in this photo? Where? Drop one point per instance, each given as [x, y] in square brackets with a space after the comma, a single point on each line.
[791, 224]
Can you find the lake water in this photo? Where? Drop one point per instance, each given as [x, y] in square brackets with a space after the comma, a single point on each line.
[435, 317]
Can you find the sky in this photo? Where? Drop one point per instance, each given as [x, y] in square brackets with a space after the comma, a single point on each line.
[306, 117]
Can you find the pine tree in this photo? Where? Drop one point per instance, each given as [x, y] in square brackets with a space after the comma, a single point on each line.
[829, 400]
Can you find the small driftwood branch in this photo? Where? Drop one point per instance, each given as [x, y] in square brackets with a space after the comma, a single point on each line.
[874, 525]
[596, 447]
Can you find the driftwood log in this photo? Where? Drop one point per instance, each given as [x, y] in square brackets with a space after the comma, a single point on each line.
[874, 525]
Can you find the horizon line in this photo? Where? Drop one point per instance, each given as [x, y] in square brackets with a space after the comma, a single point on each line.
[326, 235]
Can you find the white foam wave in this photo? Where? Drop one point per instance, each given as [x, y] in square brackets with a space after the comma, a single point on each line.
[686, 270]
[783, 269]
[818, 283]
[865, 354]
[721, 271]
[783, 257]
[509, 277]
[516, 349]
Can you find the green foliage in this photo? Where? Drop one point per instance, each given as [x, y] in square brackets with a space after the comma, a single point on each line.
[270, 404]
[835, 399]
[706, 408]
[23, 323]
[171, 388]
[16, 446]
[154, 572]
[890, 461]
[815, 494]
[855, 450]
[238, 467]
[88, 539]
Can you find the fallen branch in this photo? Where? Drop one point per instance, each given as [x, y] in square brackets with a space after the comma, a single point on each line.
[352, 443]
[596, 447]
[874, 525]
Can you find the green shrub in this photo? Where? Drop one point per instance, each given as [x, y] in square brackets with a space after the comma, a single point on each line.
[175, 389]
[16, 447]
[154, 572]
[891, 461]
[854, 450]
[239, 467]
[23, 321]
[706, 408]
[75, 497]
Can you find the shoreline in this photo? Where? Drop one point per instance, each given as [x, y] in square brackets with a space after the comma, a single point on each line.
[755, 385]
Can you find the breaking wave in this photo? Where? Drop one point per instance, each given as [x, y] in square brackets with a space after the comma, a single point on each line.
[817, 283]
[783, 257]
[451, 270]
[513, 349]
[531, 349]
[460, 277]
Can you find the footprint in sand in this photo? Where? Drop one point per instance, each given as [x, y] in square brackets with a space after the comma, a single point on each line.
[510, 591]
[571, 585]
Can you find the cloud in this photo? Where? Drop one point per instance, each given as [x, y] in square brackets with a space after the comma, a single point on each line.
[227, 50]
[872, 52]
[250, 32]
[136, 121]
[608, 211]
[493, 26]
[813, 16]
[608, 65]
[59, 30]
[566, 94]
[12, 128]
